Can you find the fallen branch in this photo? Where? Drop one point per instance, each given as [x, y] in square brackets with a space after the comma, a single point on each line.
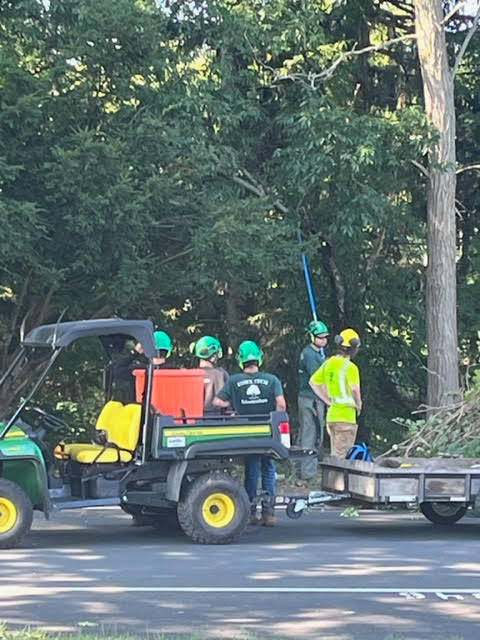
[447, 430]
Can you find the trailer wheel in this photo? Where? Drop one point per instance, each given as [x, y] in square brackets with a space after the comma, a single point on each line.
[443, 512]
[214, 510]
[291, 513]
[16, 514]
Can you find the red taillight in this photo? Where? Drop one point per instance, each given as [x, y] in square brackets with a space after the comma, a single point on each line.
[284, 428]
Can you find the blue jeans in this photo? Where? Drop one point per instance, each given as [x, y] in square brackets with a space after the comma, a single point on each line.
[254, 466]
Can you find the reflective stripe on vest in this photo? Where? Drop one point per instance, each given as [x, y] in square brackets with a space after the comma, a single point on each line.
[344, 398]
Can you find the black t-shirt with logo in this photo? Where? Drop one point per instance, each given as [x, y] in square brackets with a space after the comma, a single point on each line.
[252, 393]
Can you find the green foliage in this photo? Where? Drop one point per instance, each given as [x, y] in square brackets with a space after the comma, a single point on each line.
[158, 161]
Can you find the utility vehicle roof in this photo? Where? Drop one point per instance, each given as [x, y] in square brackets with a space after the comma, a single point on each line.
[63, 334]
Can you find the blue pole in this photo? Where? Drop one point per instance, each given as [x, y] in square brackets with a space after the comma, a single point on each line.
[308, 280]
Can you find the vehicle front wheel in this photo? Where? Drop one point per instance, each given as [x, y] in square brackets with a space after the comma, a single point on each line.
[214, 510]
[443, 512]
[16, 514]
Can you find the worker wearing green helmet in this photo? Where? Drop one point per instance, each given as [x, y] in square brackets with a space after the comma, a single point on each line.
[163, 350]
[311, 410]
[208, 350]
[163, 345]
[125, 358]
[254, 392]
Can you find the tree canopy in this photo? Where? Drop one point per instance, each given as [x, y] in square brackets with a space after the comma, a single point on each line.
[157, 159]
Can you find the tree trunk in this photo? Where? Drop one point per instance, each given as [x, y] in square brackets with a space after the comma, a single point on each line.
[441, 284]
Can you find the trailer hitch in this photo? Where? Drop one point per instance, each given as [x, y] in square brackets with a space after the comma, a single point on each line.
[297, 505]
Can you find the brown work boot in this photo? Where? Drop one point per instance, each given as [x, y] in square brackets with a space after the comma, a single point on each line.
[268, 513]
[268, 520]
[253, 517]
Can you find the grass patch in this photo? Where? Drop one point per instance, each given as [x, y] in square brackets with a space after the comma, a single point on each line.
[35, 634]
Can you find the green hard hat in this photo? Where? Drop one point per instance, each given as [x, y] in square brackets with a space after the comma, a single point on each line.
[316, 328]
[208, 346]
[163, 342]
[248, 351]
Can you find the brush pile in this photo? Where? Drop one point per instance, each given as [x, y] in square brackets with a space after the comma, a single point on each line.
[452, 431]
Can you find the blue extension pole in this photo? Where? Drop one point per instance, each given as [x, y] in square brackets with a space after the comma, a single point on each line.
[308, 280]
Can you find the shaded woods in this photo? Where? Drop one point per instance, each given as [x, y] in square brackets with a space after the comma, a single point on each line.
[158, 159]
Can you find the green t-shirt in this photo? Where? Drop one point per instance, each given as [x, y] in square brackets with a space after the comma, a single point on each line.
[252, 393]
[339, 374]
[310, 361]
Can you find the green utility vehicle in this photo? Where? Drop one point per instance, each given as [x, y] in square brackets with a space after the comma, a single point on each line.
[151, 465]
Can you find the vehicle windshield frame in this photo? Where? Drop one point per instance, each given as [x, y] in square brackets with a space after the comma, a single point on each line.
[57, 337]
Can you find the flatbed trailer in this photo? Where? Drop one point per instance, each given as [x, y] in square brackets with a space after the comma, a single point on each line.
[442, 488]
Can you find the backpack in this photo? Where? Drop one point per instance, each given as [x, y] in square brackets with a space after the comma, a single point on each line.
[360, 452]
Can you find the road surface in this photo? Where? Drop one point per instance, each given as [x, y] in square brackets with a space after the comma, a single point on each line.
[383, 575]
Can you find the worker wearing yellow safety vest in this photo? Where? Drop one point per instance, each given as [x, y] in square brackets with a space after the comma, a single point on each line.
[337, 383]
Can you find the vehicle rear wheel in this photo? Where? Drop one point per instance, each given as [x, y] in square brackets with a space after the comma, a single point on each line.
[16, 514]
[443, 512]
[214, 510]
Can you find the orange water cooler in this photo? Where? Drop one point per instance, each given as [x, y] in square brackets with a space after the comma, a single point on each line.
[175, 392]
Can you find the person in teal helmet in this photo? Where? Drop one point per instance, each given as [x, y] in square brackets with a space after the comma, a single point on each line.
[254, 392]
[163, 345]
[311, 410]
[123, 363]
[208, 350]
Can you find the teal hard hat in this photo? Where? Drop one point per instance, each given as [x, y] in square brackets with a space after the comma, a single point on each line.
[208, 346]
[249, 351]
[163, 342]
[317, 328]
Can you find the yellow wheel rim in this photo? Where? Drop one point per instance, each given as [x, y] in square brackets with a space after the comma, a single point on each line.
[8, 515]
[218, 510]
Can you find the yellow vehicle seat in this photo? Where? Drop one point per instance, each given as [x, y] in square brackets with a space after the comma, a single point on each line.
[105, 418]
[122, 438]
[121, 424]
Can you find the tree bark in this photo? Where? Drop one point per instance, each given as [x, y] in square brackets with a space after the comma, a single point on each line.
[441, 283]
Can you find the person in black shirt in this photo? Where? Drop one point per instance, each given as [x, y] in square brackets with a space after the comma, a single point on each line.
[254, 392]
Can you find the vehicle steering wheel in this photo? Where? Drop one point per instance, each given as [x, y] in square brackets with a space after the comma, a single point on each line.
[35, 422]
[47, 420]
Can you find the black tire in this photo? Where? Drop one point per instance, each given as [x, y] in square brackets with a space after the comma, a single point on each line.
[16, 514]
[214, 510]
[444, 513]
[291, 513]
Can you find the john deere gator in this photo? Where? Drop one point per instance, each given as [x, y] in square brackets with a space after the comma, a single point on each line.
[150, 464]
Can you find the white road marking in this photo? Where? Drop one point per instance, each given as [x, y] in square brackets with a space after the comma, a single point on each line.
[405, 592]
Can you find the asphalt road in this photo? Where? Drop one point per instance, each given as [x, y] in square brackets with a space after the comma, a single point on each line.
[382, 575]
